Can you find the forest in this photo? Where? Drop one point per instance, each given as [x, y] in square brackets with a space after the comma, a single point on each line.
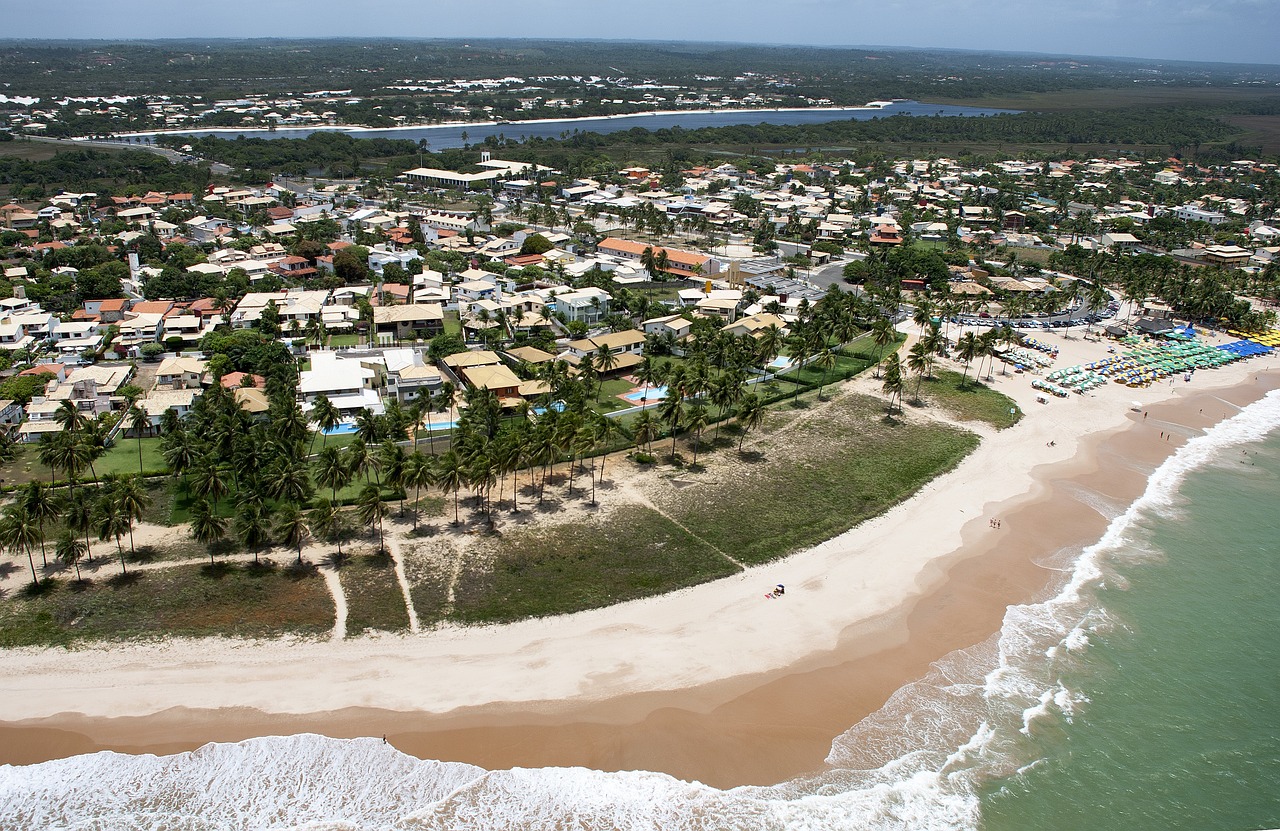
[847, 76]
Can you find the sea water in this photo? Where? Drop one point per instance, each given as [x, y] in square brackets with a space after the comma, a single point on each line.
[1141, 695]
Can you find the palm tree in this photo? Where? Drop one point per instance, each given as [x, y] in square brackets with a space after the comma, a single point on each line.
[370, 508]
[893, 383]
[332, 470]
[139, 422]
[111, 523]
[417, 472]
[291, 481]
[211, 480]
[326, 522]
[70, 549]
[769, 344]
[750, 415]
[291, 527]
[918, 362]
[882, 334]
[78, 509]
[672, 413]
[697, 423]
[252, 525]
[449, 475]
[391, 458]
[645, 429]
[206, 526]
[967, 348]
[20, 532]
[38, 502]
[826, 361]
[326, 417]
[605, 363]
[131, 501]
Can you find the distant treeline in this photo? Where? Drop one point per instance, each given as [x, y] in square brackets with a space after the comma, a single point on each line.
[96, 170]
[1168, 127]
[225, 67]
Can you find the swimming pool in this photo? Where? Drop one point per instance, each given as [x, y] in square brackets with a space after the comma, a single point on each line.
[646, 394]
[780, 362]
[341, 429]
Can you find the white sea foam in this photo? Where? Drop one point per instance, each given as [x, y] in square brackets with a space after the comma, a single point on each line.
[917, 763]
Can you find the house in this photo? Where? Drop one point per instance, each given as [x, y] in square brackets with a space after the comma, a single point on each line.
[588, 305]
[625, 347]
[181, 373]
[754, 325]
[108, 311]
[1120, 242]
[408, 322]
[159, 400]
[676, 326]
[408, 375]
[679, 263]
[349, 384]
[497, 378]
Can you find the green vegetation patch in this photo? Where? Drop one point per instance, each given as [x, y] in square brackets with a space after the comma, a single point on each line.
[967, 400]
[374, 600]
[427, 568]
[227, 599]
[854, 465]
[634, 552]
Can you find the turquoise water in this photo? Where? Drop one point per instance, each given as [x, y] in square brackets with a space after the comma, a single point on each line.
[649, 394]
[1143, 694]
[1181, 727]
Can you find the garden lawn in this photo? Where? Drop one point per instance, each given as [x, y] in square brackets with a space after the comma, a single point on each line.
[227, 599]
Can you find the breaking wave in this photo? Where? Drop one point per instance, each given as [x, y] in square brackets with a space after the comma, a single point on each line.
[917, 763]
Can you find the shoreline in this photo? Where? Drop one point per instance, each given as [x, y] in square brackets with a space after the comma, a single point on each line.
[715, 721]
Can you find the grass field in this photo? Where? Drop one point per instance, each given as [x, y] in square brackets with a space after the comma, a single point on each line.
[227, 599]
[967, 400]
[854, 464]
[374, 600]
[532, 573]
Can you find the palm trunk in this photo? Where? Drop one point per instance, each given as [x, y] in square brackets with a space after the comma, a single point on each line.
[35, 578]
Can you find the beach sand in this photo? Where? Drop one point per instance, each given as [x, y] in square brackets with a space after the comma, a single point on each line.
[712, 683]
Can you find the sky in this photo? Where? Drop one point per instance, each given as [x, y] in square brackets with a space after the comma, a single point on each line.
[1236, 31]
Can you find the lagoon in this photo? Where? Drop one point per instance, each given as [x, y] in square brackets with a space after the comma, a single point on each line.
[444, 136]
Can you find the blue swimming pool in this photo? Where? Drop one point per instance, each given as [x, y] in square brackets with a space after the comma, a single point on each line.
[341, 429]
[780, 362]
[647, 394]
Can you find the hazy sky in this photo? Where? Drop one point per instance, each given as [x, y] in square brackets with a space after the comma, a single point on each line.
[1206, 30]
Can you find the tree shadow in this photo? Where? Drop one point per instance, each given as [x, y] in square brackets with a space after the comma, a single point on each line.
[425, 529]
[753, 457]
[296, 571]
[6, 569]
[143, 554]
[336, 561]
[80, 585]
[263, 567]
[379, 558]
[216, 571]
[42, 589]
[125, 580]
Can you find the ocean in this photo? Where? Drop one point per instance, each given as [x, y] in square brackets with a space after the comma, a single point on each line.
[1142, 695]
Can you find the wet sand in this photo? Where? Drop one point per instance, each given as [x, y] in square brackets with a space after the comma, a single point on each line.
[747, 730]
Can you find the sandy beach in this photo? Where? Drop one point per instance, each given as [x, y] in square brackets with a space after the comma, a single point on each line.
[712, 683]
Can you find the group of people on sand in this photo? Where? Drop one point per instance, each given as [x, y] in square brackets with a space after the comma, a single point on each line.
[778, 591]
[994, 523]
